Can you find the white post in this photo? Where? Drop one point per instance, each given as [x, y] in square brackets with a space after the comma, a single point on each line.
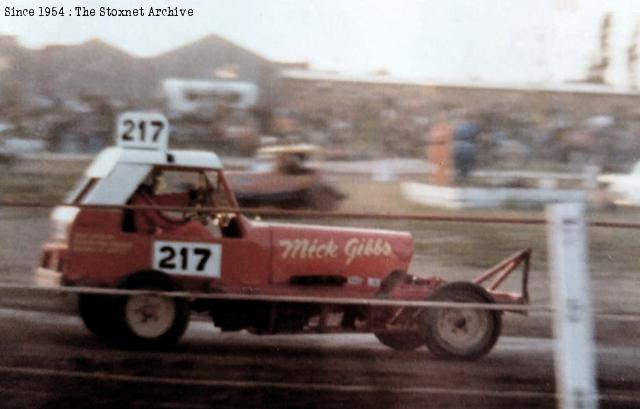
[571, 295]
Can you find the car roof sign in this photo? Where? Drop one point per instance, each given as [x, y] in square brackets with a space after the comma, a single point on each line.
[142, 130]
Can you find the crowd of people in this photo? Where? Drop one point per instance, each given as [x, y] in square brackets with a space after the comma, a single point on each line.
[499, 138]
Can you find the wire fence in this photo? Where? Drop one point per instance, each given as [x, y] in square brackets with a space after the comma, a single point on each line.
[318, 214]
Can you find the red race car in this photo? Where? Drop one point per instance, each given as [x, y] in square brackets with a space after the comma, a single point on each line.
[144, 219]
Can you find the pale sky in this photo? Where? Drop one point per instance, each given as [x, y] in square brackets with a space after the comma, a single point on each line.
[497, 41]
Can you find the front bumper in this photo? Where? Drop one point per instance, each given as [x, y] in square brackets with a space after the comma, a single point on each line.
[45, 277]
[52, 301]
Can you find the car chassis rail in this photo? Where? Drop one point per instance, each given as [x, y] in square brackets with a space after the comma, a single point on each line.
[500, 272]
[503, 270]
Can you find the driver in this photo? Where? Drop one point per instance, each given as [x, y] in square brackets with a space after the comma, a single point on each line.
[156, 221]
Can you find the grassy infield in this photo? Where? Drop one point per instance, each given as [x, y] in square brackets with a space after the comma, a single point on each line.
[479, 245]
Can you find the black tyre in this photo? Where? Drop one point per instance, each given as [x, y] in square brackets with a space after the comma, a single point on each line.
[324, 197]
[461, 333]
[229, 315]
[152, 321]
[401, 340]
[97, 313]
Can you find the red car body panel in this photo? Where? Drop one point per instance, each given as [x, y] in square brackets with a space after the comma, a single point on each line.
[363, 257]
[265, 255]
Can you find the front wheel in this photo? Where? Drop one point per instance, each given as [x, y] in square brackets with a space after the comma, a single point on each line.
[461, 333]
[97, 313]
[150, 320]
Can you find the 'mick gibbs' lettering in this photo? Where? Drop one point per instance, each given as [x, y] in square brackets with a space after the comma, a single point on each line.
[354, 248]
[303, 248]
[366, 247]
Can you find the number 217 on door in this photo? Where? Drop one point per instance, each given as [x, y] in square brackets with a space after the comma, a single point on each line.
[187, 258]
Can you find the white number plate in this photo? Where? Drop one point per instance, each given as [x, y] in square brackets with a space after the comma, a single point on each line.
[185, 258]
[143, 130]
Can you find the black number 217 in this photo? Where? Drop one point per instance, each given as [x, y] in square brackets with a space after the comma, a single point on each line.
[130, 126]
[182, 257]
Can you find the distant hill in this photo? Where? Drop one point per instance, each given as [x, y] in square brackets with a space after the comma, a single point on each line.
[98, 68]
[203, 58]
[93, 67]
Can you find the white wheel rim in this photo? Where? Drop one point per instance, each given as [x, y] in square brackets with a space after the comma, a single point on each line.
[149, 316]
[462, 329]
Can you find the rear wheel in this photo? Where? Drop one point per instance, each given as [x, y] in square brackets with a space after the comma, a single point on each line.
[461, 333]
[401, 340]
[402, 331]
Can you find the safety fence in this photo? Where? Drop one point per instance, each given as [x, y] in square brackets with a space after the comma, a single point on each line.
[317, 214]
[541, 310]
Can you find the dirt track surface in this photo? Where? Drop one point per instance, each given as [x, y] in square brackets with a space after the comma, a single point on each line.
[51, 361]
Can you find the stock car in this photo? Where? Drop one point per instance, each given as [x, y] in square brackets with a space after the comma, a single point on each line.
[151, 234]
[282, 177]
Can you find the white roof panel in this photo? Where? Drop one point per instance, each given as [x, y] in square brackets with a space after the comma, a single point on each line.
[106, 161]
[119, 186]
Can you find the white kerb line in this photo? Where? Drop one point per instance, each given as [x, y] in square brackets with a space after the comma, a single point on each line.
[573, 315]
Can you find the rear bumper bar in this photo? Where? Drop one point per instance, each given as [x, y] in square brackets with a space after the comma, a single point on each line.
[494, 277]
